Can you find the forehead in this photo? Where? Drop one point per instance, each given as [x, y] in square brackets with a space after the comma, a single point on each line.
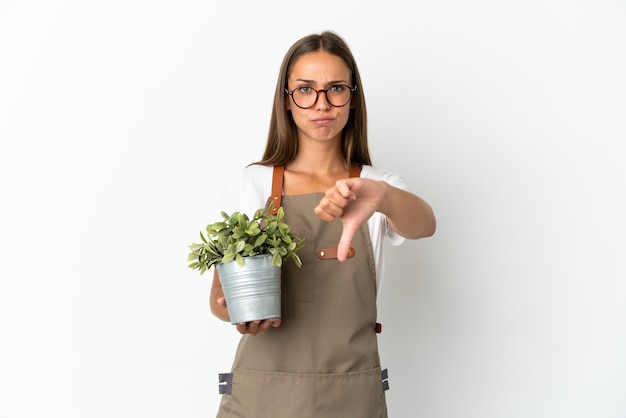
[320, 66]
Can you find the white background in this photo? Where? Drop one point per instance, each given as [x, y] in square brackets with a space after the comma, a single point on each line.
[120, 121]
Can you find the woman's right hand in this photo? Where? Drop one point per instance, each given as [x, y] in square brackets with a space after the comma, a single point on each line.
[252, 327]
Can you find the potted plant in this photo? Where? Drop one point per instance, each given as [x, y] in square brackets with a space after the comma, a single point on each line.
[248, 254]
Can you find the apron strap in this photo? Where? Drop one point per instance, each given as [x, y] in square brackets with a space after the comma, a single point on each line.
[331, 253]
[277, 184]
[277, 188]
[355, 170]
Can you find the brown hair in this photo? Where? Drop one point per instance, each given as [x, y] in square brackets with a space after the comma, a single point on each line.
[282, 143]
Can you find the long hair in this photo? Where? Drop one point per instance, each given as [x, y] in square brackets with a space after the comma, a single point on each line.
[282, 139]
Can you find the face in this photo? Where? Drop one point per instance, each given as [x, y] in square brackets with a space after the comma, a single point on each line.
[320, 71]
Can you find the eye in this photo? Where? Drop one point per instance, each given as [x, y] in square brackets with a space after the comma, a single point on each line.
[339, 88]
[304, 90]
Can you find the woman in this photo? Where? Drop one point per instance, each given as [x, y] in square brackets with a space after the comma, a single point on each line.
[321, 359]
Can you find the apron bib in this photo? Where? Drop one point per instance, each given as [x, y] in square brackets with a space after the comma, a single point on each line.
[322, 362]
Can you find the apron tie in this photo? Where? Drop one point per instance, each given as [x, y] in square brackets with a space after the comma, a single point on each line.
[385, 376]
[226, 383]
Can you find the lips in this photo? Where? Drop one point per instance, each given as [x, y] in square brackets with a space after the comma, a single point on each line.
[323, 121]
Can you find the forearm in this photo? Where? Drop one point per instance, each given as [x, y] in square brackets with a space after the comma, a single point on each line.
[216, 293]
[407, 214]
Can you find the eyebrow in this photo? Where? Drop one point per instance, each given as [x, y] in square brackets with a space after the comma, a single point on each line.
[302, 80]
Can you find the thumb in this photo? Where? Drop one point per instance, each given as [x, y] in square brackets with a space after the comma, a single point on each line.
[349, 230]
[222, 301]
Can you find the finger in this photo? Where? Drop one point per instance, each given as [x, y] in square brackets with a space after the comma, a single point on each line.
[327, 211]
[333, 205]
[322, 214]
[333, 202]
[341, 194]
[242, 327]
[349, 230]
[344, 187]
[265, 325]
[333, 198]
[253, 327]
[221, 301]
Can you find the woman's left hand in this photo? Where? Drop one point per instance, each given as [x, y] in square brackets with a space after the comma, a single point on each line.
[354, 200]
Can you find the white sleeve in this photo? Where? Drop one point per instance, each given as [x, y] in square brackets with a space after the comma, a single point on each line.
[379, 220]
[246, 190]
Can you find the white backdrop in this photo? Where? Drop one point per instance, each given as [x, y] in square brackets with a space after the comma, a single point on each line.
[120, 120]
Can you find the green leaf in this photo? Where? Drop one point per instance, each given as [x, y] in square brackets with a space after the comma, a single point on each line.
[238, 233]
[236, 237]
[247, 250]
[259, 213]
[277, 260]
[228, 257]
[260, 240]
[271, 228]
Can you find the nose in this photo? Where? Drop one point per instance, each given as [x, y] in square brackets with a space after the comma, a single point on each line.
[322, 104]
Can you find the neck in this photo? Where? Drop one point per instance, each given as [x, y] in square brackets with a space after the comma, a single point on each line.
[318, 165]
[319, 158]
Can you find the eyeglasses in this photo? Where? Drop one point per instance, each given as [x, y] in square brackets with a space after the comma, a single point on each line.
[305, 97]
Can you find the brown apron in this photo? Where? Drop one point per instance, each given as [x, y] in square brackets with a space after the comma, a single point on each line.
[322, 362]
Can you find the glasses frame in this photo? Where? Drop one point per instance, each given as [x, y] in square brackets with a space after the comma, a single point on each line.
[317, 95]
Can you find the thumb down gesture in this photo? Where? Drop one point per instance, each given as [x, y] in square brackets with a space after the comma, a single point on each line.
[353, 200]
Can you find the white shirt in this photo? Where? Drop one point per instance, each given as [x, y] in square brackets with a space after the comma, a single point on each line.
[248, 190]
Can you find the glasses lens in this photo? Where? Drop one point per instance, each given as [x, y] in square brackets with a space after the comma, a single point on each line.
[338, 95]
[304, 97]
